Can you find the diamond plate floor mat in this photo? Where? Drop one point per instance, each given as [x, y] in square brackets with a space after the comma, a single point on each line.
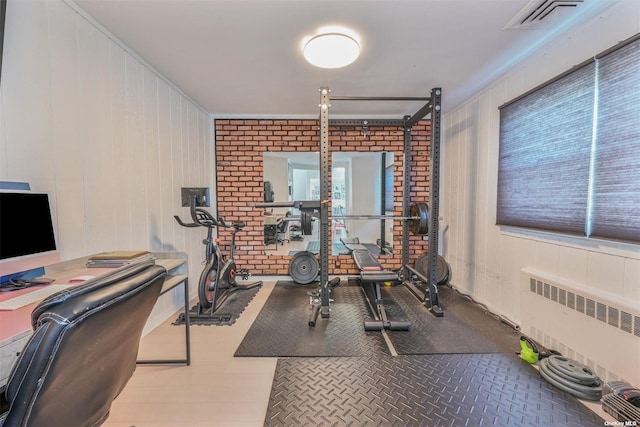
[228, 313]
[281, 328]
[420, 390]
[464, 328]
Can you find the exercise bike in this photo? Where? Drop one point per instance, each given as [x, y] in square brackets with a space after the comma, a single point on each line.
[218, 278]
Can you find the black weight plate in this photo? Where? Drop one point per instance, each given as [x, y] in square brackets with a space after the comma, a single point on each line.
[419, 226]
[304, 267]
[588, 392]
[442, 268]
[306, 220]
[422, 264]
[572, 370]
[448, 278]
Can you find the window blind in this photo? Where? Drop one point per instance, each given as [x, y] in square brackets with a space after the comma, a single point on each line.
[616, 183]
[545, 152]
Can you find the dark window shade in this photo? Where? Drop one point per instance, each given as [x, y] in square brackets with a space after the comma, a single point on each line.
[545, 150]
[616, 192]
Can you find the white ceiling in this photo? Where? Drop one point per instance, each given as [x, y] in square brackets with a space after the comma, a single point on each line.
[243, 57]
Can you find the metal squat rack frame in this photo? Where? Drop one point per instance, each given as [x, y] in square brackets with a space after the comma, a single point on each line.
[432, 108]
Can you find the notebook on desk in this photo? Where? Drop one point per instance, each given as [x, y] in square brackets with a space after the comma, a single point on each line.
[117, 258]
[119, 255]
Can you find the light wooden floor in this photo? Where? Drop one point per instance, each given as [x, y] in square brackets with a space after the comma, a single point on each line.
[215, 390]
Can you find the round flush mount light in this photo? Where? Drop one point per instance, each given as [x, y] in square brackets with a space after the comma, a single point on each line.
[331, 48]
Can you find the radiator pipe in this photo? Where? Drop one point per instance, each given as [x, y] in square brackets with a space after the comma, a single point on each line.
[509, 322]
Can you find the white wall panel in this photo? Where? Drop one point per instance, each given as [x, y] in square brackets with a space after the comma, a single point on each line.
[95, 136]
[204, 135]
[176, 153]
[185, 178]
[26, 92]
[631, 291]
[486, 261]
[67, 118]
[120, 147]
[137, 167]
[605, 272]
[166, 190]
[88, 121]
[546, 257]
[195, 160]
[152, 160]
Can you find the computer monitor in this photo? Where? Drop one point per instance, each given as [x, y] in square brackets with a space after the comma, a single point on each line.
[27, 238]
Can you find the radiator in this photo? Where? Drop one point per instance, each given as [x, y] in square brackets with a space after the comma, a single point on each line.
[597, 329]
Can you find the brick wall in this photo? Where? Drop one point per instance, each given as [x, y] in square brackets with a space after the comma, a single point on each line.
[240, 145]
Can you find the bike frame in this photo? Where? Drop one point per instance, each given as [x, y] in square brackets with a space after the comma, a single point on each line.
[209, 288]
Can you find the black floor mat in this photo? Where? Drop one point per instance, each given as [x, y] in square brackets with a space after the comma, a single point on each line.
[281, 328]
[464, 328]
[227, 314]
[419, 390]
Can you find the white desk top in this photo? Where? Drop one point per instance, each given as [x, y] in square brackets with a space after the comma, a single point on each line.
[15, 325]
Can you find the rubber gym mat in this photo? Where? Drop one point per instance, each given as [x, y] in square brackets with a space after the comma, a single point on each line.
[281, 328]
[234, 306]
[420, 390]
[464, 328]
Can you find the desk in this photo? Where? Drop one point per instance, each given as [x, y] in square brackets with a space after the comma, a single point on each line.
[15, 326]
[176, 266]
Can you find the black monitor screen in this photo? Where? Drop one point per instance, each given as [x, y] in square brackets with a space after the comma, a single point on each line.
[25, 225]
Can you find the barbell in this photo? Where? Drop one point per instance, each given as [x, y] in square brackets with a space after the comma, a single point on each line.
[417, 221]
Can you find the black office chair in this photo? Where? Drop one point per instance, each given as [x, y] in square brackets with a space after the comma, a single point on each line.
[83, 350]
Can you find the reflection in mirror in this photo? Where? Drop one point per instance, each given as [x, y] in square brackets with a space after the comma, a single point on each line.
[362, 184]
[291, 177]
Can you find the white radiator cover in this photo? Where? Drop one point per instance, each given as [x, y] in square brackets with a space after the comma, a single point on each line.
[595, 328]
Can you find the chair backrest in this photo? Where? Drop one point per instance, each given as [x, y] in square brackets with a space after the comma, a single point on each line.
[282, 227]
[83, 350]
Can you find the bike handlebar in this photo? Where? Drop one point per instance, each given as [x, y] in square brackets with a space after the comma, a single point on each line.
[202, 218]
[184, 224]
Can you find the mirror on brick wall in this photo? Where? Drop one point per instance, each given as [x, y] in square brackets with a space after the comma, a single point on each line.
[362, 183]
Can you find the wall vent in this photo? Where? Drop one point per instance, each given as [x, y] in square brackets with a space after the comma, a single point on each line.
[586, 324]
[540, 12]
[587, 305]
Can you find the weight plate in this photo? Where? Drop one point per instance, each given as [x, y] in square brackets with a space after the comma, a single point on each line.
[304, 268]
[420, 225]
[442, 268]
[588, 392]
[306, 221]
[422, 264]
[448, 278]
[572, 370]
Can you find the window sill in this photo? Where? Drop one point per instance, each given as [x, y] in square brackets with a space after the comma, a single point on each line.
[610, 247]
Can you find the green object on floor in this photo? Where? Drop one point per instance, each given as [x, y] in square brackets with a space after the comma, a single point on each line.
[528, 350]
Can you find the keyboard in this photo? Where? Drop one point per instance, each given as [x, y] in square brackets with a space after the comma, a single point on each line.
[25, 299]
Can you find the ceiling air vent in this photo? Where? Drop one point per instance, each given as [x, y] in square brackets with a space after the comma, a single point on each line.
[540, 12]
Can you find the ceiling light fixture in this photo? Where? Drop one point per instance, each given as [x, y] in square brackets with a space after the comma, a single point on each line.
[331, 48]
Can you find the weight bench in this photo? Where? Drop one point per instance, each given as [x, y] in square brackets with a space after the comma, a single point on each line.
[373, 273]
